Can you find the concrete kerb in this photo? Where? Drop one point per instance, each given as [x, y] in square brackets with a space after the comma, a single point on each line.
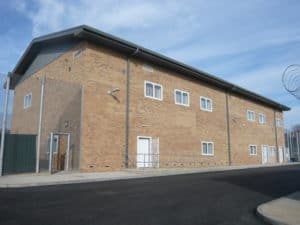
[267, 219]
[281, 211]
[32, 180]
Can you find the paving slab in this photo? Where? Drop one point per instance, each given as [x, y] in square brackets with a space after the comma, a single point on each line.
[282, 211]
[43, 179]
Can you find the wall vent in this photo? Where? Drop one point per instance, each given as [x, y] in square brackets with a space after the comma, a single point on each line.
[148, 68]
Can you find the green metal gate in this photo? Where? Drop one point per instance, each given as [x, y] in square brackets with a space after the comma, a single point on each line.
[19, 153]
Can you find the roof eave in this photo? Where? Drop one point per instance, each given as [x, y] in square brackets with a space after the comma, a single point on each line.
[92, 34]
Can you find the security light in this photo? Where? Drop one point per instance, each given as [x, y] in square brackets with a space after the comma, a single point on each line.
[110, 92]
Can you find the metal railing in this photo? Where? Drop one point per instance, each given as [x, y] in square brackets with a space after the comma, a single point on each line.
[170, 160]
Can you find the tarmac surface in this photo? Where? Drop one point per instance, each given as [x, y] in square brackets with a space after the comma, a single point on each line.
[226, 197]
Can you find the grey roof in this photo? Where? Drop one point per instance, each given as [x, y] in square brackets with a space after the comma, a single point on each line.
[84, 32]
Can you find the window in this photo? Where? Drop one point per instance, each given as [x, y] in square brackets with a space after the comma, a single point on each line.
[262, 118]
[207, 148]
[206, 104]
[182, 97]
[253, 149]
[153, 90]
[250, 115]
[279, 122]
[27, 100]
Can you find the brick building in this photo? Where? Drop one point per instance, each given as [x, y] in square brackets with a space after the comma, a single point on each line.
[97, 102]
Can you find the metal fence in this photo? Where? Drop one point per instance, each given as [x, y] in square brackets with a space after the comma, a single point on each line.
[6, 97]
[172, 160]
[3, 80]
[19, 154]
[54, 106]
[292, 143]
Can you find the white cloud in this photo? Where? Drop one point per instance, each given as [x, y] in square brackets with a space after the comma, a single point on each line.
[52, 15]
[265, 80]
[231, 38]
[230, 46]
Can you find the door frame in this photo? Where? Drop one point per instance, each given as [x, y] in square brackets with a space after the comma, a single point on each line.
[281, 151]
[273, 152]
[67, 161]
[262, 155]
[137, 148]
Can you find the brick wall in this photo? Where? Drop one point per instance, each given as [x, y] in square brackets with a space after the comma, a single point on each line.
[25, 121]
[103, 131]
[244, 132]
[62, 104]
[180, 129]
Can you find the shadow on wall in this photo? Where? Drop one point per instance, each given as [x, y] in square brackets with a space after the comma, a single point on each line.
[62, 114]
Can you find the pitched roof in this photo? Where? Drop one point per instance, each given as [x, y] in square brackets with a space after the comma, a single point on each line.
[91, 34]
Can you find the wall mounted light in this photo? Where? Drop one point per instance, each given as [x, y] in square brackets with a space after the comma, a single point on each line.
[114, 90]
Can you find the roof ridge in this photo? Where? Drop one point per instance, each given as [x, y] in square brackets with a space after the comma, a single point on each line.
[85, 31]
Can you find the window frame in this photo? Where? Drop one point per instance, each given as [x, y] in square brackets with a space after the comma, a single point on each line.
[264, 116]
[251, 111]
[182, 92]
[213, 148]
[25, 106]
[249, 148]
[280, 122]
[153, 84]
[206, 99]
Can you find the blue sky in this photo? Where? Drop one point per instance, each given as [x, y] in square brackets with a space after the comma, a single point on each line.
[248, 43]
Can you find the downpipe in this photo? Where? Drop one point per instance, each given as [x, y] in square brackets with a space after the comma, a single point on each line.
[127, 117]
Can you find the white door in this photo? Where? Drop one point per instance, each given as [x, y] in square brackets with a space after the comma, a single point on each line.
[272, 154]
[264, 154]
[280, 154]
[143, 152]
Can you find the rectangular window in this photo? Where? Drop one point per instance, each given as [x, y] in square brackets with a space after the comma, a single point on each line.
[27, 100]
[279, 122]
[153, 90]
[250, 115]
[253, 149]
[206, 104]
[262, 118]
[182, 97]
[207, 148]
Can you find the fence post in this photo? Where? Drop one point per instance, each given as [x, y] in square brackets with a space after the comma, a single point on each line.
[37, 169]
[50, 152]
[291, 143]
[288, 143]
[68, 153]
[4, 124]
[298, 151]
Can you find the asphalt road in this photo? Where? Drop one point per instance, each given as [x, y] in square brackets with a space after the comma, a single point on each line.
[213, 198]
